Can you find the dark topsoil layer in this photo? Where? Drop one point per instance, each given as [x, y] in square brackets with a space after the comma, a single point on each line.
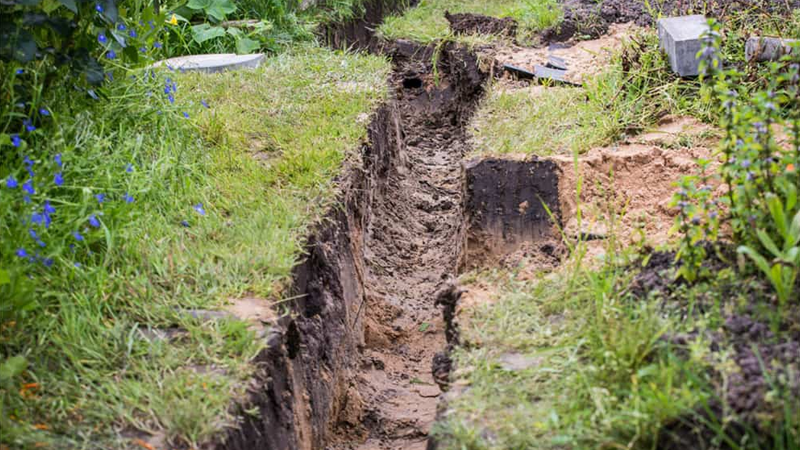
[479, 24]
[764, 361]
[591, 18]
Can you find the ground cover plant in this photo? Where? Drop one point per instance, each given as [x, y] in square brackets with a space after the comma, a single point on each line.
[426, 22]
[119, 212]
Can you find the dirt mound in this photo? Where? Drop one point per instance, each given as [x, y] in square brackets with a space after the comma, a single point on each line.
[589, 18]
[479, 24]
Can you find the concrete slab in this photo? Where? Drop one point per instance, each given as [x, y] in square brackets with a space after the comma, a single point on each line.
[761, 49]
[554, 62]
[680, 38]
[213, 63]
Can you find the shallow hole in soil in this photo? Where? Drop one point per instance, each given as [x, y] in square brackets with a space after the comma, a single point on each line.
[412, 83]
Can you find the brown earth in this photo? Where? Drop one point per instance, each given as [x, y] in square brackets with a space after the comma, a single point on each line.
[467, 23]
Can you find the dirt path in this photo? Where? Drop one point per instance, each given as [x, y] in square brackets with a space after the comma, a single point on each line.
[412, 249]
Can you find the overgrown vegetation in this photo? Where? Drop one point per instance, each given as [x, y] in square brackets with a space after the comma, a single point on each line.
[171, 192]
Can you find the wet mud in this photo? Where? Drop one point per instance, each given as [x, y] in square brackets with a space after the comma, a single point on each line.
[467, 23]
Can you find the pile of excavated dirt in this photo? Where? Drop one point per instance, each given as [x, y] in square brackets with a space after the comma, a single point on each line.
[589, 18]
[467, 23]
[626, 188]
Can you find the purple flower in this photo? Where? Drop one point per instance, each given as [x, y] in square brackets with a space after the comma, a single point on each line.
[157, 44]
[57, 159]
[48, 208]
[204, 103]
[186, 114]
[121, 27]
[48, 262]
[111, 54]
[93, 221]
[58, 179]
[185, 223]
[22, 253]
[77, 265]
[132, 33]
[98, 8]
[199, 208]
[100, 198]
[142, 49]
[37, 218]
[129, 168]
[77, 236]
[11, 182]
[41, 243]
[128, 198]
[15, 140]
[28, 125]
[713, 214]
[19, 71]
[44, 112]
[26, 198]
[33, 234]
[171, 98]
[101, 38]
[745, 164]
[28, 187]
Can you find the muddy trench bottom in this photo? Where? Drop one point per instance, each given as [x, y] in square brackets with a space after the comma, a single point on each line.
[412, 245]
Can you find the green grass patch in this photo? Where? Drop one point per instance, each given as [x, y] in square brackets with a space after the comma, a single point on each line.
[259, 163]
[426, 23]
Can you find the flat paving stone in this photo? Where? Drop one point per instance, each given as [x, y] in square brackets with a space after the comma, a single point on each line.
[213, 63]
[680, 38]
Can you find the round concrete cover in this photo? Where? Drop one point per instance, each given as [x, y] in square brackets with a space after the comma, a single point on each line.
[213, 63]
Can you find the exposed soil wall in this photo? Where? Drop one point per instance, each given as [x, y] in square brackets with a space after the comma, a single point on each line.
[360, 32]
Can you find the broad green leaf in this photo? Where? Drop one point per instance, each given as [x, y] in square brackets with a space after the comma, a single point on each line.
[235, 32]
[12, 367]
[205, 32]
[762, 263]
[246, 45]
[768, 243]
[5, 139]
[4, 277]
[199, 5]
[220, 8]
[794, 228]
[776, 210]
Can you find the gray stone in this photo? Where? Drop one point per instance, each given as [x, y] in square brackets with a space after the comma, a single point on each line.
[213, 63]
[554, 62]
[760, 49]
[680, 39]
[550, 74]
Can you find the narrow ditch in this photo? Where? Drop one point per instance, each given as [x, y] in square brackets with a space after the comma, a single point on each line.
[359, 360]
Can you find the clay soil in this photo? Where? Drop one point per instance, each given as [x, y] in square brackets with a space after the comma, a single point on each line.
[412, 251]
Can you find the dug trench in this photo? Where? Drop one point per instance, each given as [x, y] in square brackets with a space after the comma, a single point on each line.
[358, 360]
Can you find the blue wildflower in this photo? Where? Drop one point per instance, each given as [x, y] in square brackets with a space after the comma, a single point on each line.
[28, 125]
[19, 71]
[98, 8]
[58, 179]
[143, 49]
[22, 253]
[132, 33]
[37, 218]
[204, 103]
[77, 265]
[128, 198]
[77, 236]
[15, 140]
[110, 76]
[11, 182]
[33, 234]
[185, 223]
[57, 159]
[199, 208]
[111, 54]
[121, 27]
[48, 208]
[72, 247]
[101, 38]
[129, 168]
[186, 114]
[28, 187]
[41, 243]
[745, 164]
[174, 87]
[166, 90]
[157, 45]
[93, 221]
[26, 198]
[100, 198]
[44, 112]
[48, 262]
[171, 98]
[28, 161]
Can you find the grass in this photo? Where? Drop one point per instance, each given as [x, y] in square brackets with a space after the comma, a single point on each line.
[75, 370]
[599, 376]
[426, 23]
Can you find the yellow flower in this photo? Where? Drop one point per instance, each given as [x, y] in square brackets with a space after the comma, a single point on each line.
[173, 20]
